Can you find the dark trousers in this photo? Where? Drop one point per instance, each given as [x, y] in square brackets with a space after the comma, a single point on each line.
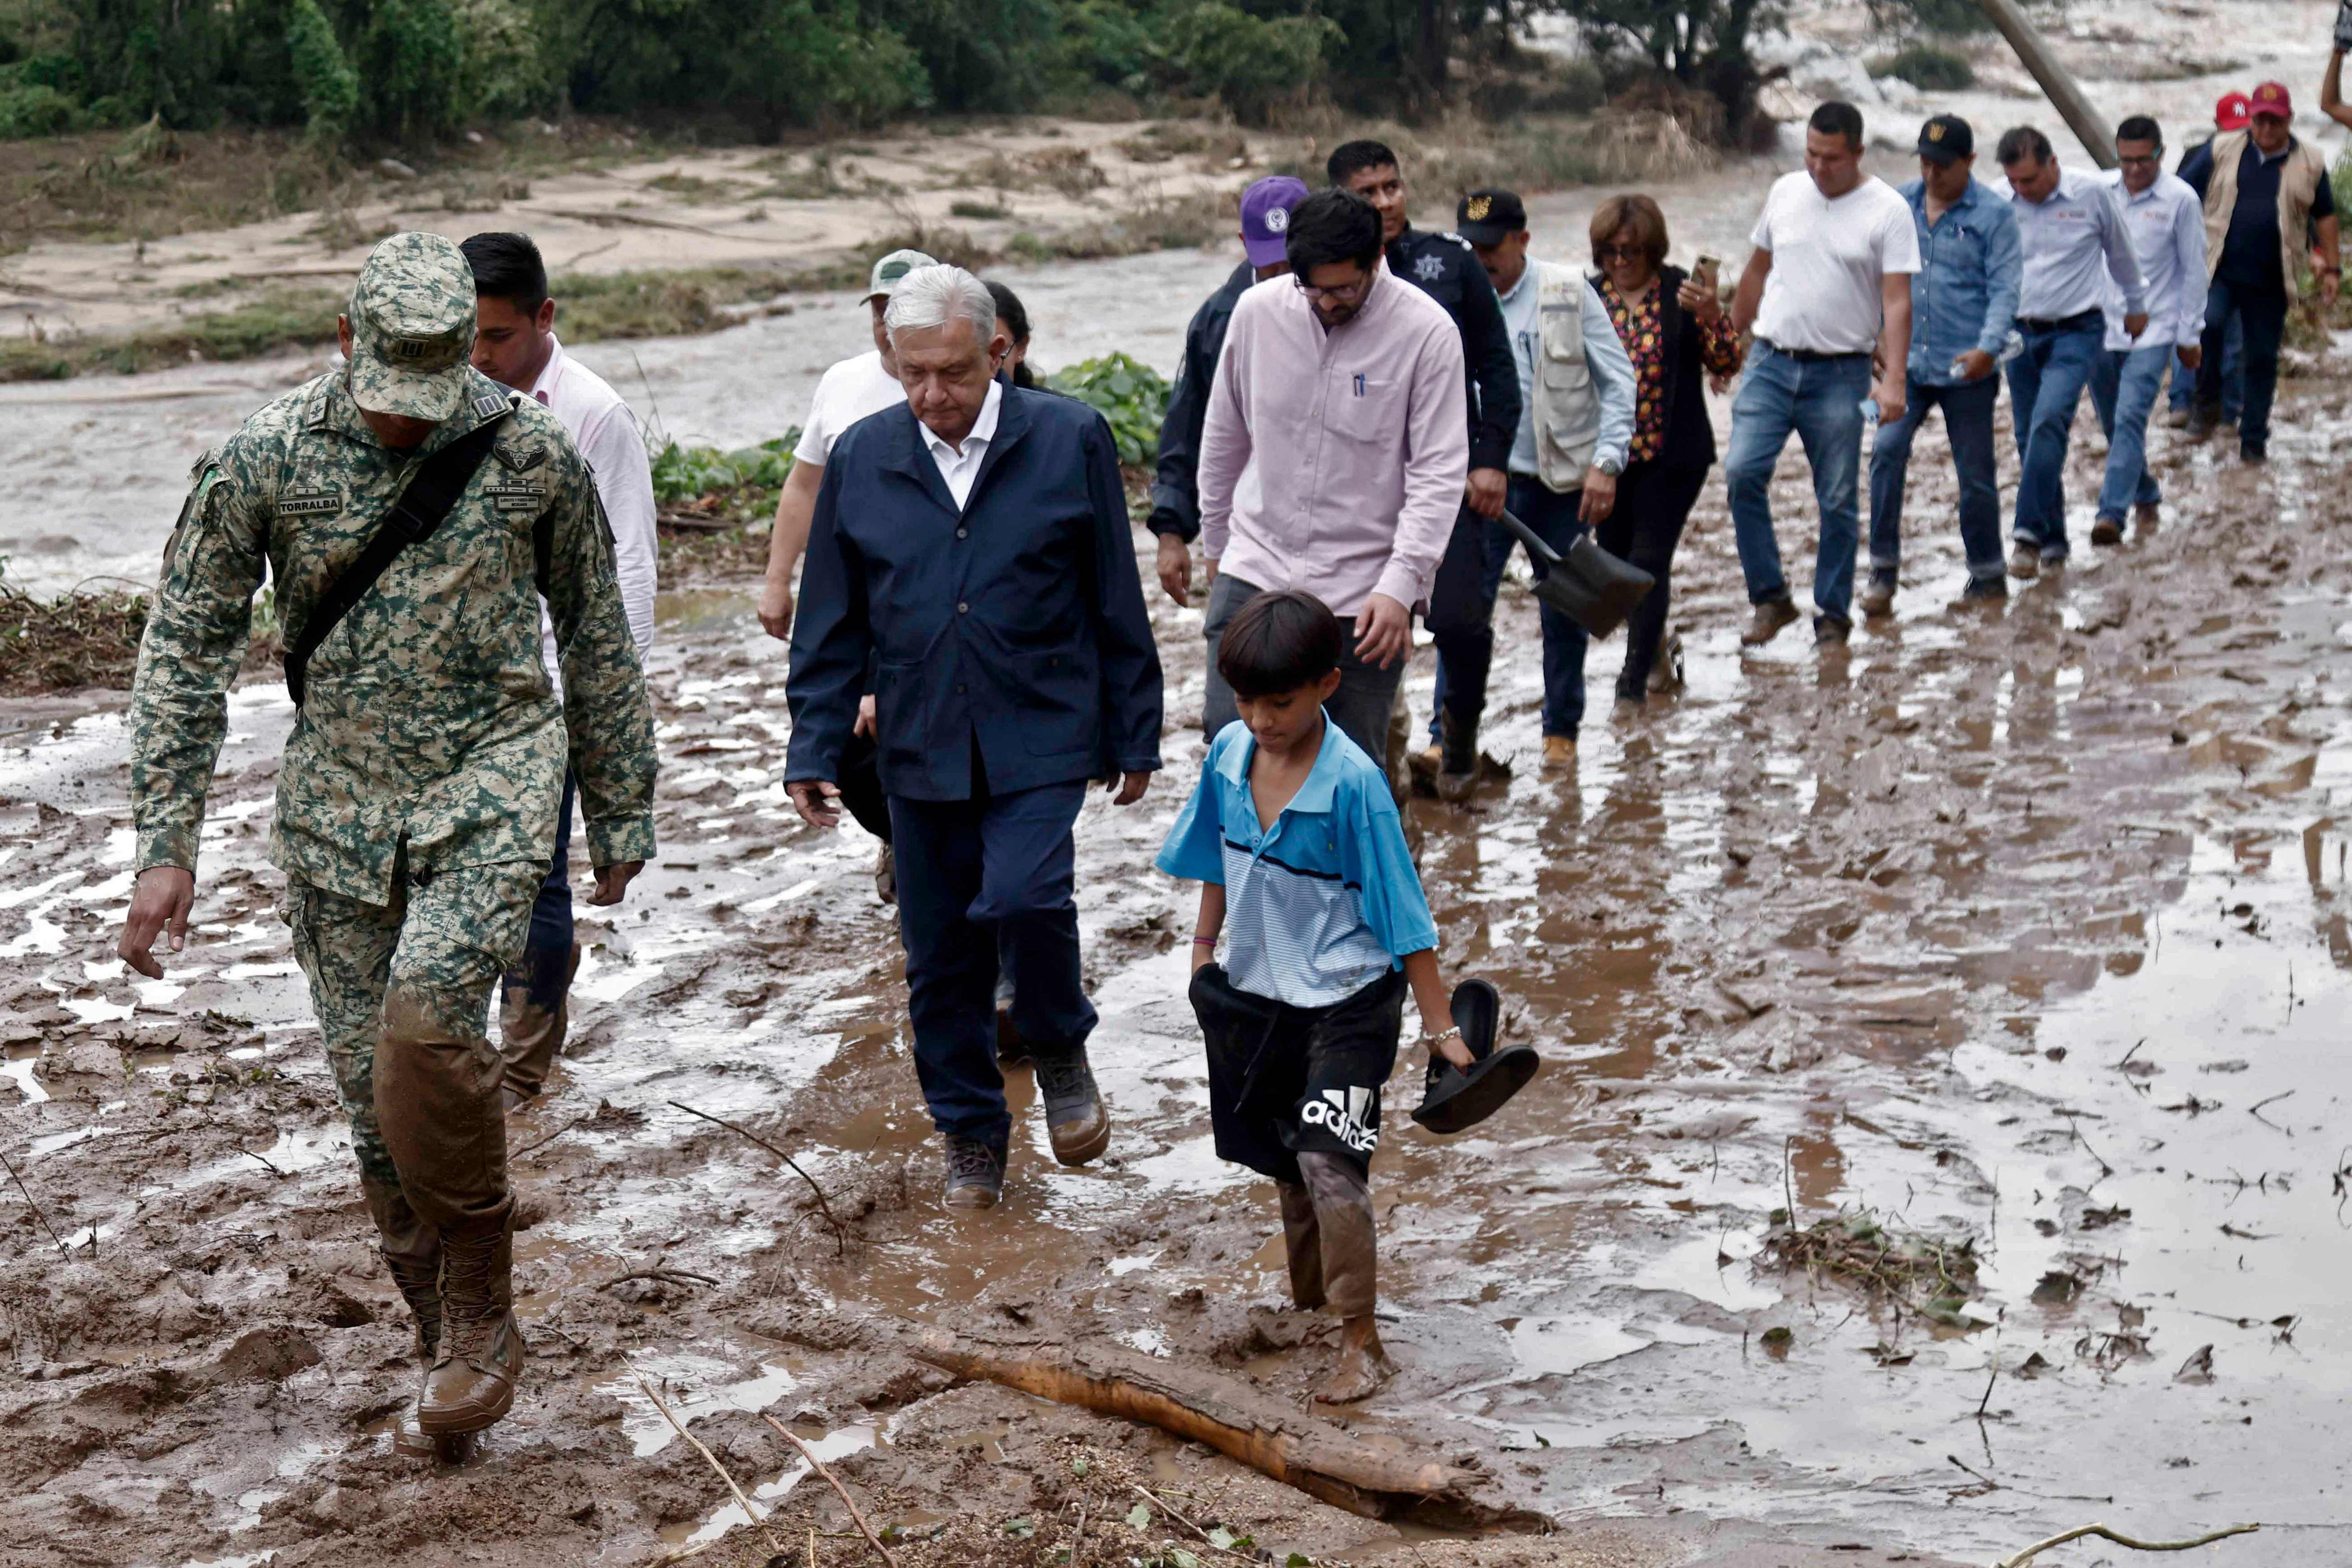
[546, 967]
[2183, 391]
[1645, 528]
[2262, 314]
[1462, 609]
[974, 876]
[1967, 424]
[1359, 708]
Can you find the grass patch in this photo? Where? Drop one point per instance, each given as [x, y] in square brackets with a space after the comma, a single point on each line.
[282, 320]
[1930, 1276]
[979, 211]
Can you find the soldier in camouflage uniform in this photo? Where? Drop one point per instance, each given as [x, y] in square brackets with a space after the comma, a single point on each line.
[416, 804]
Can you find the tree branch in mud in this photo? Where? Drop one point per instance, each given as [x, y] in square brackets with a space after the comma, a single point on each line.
[2079, 1532]
[1317, 1457]
[840, 1235]
[835, 1482]
[1172, 1512]
[29, 1199]
[759, 1519]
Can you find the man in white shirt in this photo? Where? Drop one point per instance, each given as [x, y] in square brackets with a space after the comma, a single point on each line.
[515, 345]
[862, 384]
[2166, 220]
[1830, 280]
[2072, 236]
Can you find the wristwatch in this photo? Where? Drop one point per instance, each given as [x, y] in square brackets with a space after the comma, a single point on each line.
[1613, 467]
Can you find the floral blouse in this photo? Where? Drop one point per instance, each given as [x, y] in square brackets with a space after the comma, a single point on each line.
[1642, 329]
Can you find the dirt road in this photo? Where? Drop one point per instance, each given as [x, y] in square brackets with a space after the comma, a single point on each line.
[2026, 932]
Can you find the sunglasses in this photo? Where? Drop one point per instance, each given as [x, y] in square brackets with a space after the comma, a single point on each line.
[1606, 254]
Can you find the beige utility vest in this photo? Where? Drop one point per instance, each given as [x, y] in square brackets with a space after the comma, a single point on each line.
[1567, 404]
[2298, 188]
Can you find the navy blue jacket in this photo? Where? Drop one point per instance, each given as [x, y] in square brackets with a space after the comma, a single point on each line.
[1446, 269]
[1016, 628]
[1176, 485]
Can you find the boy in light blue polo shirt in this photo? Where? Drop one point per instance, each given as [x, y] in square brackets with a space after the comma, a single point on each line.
[1294, 839]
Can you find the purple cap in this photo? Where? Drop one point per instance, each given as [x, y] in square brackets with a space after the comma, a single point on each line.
[1265, 218]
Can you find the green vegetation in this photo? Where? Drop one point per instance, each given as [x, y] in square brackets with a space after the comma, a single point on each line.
[1927, 67]
[1132, 396]
[689, 474]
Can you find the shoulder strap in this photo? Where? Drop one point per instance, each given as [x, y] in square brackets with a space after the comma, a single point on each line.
[432, 491]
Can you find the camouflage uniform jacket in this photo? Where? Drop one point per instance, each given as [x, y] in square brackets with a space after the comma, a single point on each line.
[429, 721]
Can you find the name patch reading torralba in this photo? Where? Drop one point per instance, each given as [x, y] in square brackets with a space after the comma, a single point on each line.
[306, 500]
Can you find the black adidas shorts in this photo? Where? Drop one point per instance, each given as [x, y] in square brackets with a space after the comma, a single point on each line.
[1285, 1081]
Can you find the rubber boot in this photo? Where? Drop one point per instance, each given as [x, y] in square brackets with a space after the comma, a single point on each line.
[530, 1037]
[479, 1360]
[1458, 766]
[412, 1254]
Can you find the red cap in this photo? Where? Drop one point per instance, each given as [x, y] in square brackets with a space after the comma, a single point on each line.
[2271, 98]
[2231, 112]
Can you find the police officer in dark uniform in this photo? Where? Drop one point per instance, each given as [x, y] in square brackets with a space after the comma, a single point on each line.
[1175, 487]
[1445, 267]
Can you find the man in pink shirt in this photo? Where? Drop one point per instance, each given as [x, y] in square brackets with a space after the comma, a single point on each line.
[1334, 455]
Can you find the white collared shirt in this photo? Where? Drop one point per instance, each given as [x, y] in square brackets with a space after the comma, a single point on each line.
[959, 470]
[2167, 224]
[606, 434]
[2075, 248]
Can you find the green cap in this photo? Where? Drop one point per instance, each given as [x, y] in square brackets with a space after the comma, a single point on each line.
[891, 268]
[412, 327]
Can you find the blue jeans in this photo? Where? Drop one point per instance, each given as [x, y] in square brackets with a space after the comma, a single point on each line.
[976, 878]
[545, 971]
[2261, 313]
[2123, 390]
[2045, 387]
[1553, 517]
[2234, 376]
[1820, 400]
[1968, 422]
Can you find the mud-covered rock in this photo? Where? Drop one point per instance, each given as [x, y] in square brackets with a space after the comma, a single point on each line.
[270, 1354]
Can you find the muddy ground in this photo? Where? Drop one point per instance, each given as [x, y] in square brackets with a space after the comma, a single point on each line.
[2021, 933]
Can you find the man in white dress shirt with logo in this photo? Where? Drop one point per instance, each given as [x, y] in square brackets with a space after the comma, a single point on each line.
[2166, 220]
[515, 345]
[2074, 238]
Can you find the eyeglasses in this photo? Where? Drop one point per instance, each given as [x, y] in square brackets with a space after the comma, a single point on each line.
[1605, 253]
[1346, 293]
[2131, 163]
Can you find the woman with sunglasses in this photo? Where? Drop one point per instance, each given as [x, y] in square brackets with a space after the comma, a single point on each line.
[1676, 332]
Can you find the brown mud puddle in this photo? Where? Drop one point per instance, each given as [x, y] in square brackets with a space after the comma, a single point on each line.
[2025, 932]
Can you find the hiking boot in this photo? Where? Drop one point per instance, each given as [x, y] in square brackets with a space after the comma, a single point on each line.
[975, 1172]
[2253, 451]
[2147, 513]
[412, 1255]
[1829, 632]
[1878, 598]
[1767, 622]
[1666, 672]
[1985, 590]
[1559, 753]
[1076, 1121]
[2107, 531]
[474, 1368]
[2202, 418]
[885, 875]
[2025, 562]
[1010, 1046]
[1457, 764]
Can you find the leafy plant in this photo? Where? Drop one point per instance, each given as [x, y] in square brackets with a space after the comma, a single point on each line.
[1927, 67]
[691, 473]
[1131, 395]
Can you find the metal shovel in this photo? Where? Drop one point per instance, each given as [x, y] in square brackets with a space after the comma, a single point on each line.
[1588, 585]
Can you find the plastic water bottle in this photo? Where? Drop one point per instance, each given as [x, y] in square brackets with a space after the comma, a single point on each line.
[1869, 424]
[2012, 345]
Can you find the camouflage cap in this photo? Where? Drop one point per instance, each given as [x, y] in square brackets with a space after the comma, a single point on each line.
[890, 270]
[412, 327]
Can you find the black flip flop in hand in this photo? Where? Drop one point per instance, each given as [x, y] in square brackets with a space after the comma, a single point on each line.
[1458, 1099]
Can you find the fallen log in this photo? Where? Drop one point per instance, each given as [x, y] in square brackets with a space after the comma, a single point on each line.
[1376, 1477]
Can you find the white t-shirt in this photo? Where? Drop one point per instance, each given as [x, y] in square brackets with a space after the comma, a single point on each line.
[850, 390]
[1828, 256]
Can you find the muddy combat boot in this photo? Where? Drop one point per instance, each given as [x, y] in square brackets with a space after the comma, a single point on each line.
[411, 1251]
[975, 1172]
[1075, 1118]
[472, 1381]
[1767, 622]
[530, 1037]
[1457, 759]
[1363, 1368]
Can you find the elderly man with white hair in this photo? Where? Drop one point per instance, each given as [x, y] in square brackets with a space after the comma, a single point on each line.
[971, 549]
